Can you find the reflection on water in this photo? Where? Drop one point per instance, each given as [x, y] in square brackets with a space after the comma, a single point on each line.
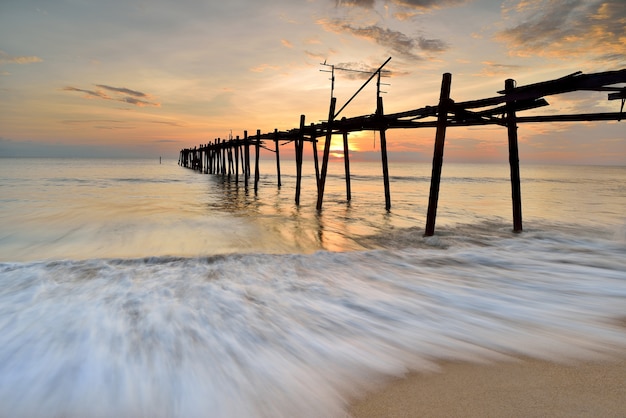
[127, 208]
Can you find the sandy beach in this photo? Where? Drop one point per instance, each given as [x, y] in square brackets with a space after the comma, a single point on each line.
[523, 388]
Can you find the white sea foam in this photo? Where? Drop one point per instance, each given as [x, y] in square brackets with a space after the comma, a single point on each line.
[246, 305]
[293, 335]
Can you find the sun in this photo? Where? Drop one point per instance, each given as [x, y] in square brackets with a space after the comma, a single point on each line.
[336, 145]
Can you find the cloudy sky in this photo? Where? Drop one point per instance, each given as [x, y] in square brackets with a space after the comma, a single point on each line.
[131, 77]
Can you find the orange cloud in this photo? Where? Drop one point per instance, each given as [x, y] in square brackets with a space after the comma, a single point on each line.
[595, 29]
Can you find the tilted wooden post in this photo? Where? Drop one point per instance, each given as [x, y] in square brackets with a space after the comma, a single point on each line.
[511, 124]
[383, 151]
[440, 138]
[315, 158]
[329, 135]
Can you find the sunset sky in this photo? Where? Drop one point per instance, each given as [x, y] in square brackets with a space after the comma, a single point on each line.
[149, 77]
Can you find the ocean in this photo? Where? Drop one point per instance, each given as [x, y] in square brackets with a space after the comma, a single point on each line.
[138, 289]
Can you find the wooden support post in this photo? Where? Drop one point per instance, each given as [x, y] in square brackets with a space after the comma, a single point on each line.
[229, 153]
[277, 157]
[209, 153]
[218, 155]
[511, 124]
[242, 157]
[346, 161]
[237, 159]
[299, 146]
[440, 138]
[224, 158]
[383, 151]
[246, 165]
[315, 158]
[329, 135]
[256, 160]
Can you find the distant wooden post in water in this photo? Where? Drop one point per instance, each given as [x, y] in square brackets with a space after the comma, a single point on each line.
[257, 147]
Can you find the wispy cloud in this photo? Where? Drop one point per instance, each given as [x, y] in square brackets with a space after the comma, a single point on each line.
[368, 4]
[91, 93]
[492, 69]
[358, 70]
[123, 90]
[565, 29]
[286, 43]
[396, 41]
[414, 4]
[119, 94]
[263, 67]
[169, 123]
[22, 59]
[429, 4]
[89, 121]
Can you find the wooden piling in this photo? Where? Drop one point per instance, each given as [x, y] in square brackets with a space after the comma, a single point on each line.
[277, 157]
[218, 155]
[511, 124]
[498, 110]
[246, 168]
[440, 137]
[257, 148]
[237, 159]
[299, 141]
[383, 151]
[315, 158]
[346, 161]
[242, 157]
[329, 135]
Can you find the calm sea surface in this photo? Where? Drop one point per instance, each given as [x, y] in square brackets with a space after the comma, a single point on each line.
[133, 288]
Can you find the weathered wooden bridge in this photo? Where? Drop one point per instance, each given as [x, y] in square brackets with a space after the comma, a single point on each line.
[226, 157]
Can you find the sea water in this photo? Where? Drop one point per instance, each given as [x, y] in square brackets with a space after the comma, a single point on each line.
[138, 289]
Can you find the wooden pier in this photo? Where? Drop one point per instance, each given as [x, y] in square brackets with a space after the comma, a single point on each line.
[231, 156]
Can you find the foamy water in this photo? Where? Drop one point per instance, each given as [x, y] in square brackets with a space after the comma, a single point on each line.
[268, 310]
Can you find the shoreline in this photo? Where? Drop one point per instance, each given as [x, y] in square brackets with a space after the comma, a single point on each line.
[520, 388]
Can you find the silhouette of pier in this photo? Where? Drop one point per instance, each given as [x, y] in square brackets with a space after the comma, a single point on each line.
[232, 156]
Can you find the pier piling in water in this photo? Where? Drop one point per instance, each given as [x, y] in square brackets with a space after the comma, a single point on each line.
[346, 163]
[440, 138]
[511, 124]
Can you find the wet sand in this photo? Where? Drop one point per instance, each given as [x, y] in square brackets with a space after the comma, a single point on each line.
[523, 388]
